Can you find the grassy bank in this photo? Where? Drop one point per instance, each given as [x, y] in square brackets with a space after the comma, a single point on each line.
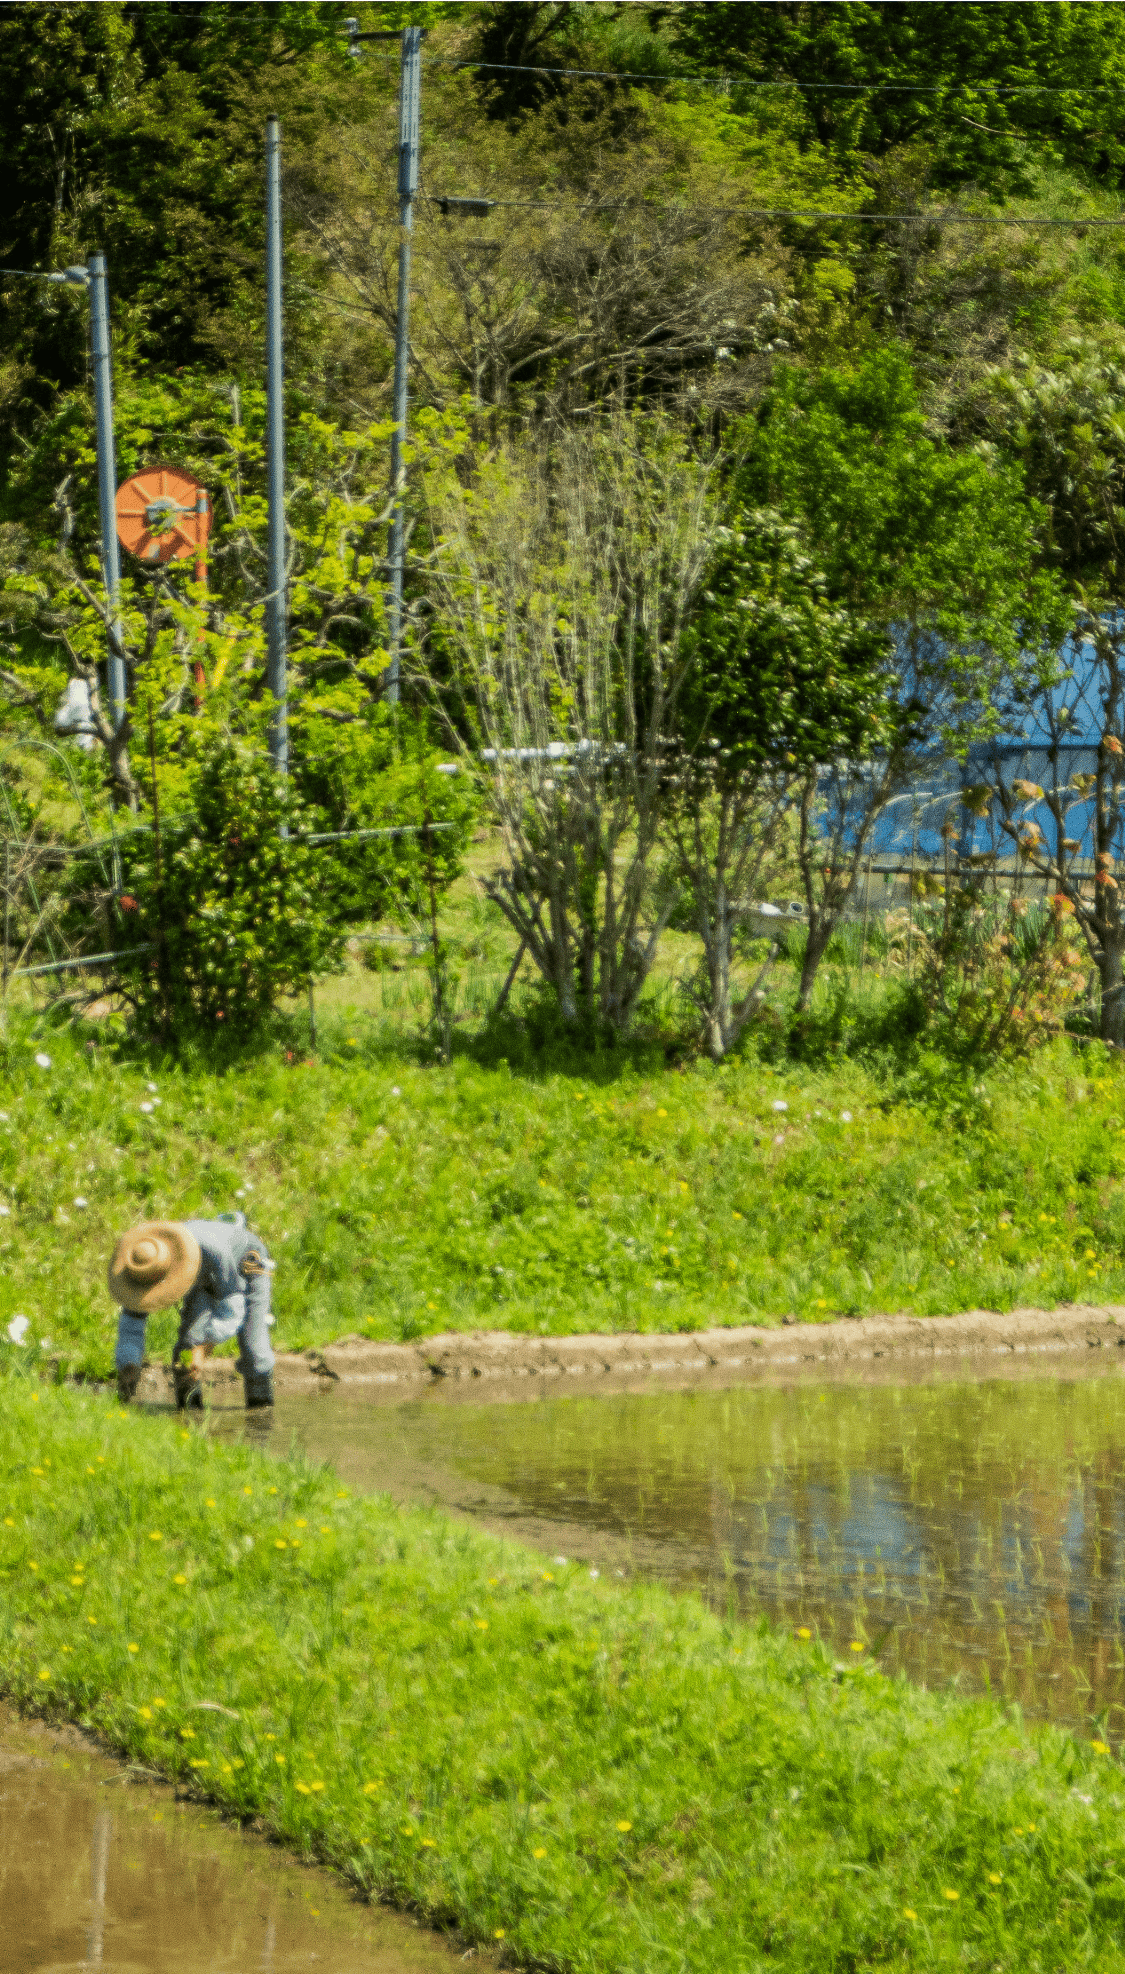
[599, 1776]
[605, 1193]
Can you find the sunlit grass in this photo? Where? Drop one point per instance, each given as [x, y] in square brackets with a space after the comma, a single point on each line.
[608, 1776]
[608, 1192]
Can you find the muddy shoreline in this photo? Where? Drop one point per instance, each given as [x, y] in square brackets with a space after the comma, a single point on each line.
[496, 1362]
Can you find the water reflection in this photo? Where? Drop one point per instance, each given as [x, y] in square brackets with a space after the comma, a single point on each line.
[973, 1532]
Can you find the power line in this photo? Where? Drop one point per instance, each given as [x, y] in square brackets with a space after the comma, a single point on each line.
[451, 203]
[819, 88]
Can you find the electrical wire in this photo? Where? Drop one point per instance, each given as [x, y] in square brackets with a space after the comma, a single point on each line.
[819, 88]
[770, 212]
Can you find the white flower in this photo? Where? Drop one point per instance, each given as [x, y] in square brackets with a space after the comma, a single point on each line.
[155, 1101]
[658, 1285]
[44, 1061]
[395, 1091]
[18, 1328]
[79, 1201]
[151, 1088]
[779, 1103]
[241, 1193]
[595, 1573]
[845, 1117]
[3, 1117]
[4, 1212]
[44, 1343]
[560, 1562]
[147, 1107]
[779, 1138]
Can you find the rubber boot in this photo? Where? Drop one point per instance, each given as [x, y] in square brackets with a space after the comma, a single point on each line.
[188, 1387]
[259, 1389]
[128, 1378]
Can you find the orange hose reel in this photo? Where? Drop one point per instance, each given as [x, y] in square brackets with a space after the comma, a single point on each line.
[164, 515]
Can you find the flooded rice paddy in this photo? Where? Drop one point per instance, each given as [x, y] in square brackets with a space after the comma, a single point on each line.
[99, 1869]
[970, 1532]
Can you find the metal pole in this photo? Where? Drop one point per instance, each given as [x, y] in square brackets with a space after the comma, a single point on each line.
[107, 474]
[410, 90]
[276, 599]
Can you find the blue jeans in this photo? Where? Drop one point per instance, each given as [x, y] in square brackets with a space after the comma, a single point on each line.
[204, 1320]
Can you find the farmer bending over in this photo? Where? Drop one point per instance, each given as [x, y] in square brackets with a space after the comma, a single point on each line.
[221, 1273]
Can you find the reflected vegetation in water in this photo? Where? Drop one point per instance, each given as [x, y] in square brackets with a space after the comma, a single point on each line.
[98, 1874]
[968, 1531]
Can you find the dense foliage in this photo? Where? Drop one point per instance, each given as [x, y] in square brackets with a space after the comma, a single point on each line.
[908, 407]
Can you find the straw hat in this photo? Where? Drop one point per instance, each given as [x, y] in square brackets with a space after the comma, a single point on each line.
[153, 1265]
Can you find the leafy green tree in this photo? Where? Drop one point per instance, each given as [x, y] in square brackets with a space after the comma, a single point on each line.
[781, 681]
[986, 89]
[924, 592]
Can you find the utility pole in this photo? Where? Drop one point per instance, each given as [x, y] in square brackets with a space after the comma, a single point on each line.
[277, 611]
[107, 475]
[409, 105]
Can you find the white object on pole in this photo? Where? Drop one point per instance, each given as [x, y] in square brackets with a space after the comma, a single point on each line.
[107, 473]
[277, 601]
[74, 715]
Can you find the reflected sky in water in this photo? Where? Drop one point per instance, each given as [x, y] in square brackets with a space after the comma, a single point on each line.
[969, 1532]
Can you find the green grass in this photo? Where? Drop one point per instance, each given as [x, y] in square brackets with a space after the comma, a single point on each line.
[610, 1192]
[605, 1777]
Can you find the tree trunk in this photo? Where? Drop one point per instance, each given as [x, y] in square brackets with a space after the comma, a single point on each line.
[1113, 988]
[820, 932]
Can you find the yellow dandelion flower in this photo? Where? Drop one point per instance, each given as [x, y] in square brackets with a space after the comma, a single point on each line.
[662, 1113]
[91, 1470]
[547, 1577]
[132, 1648]
[9, 1521]
[302, 1788]
[482, 1624]
[145, 1713]
[856, 1645]
[280, 1760]
[539, 1851]
[996, 1878]
[908, 1912]
[1031, 1826]
[428, 1844]
[273, 1490]
[225, 1767]
[314, 1786]
[281, 1543]
[950, 1894]
[179, 1579]
[624, 1824]
[499, 1933]
[187, 1734]
[208, 1503]
[199, 1764]
[44, 1672]
[158, 1702]
[302, 1525]
[238, 1764]
[32, 1566]
[91, 1620]
[804, 1632]
[156, 1536]
[408, 1830]
[1100, 1747]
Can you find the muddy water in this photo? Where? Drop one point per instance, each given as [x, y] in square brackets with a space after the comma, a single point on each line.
[102, 1871]
[964, 1531]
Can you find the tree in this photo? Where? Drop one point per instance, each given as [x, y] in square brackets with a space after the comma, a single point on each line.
[927, 581]
[781, 681]
[871, 76]
[560, 584]
[1061, 808]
